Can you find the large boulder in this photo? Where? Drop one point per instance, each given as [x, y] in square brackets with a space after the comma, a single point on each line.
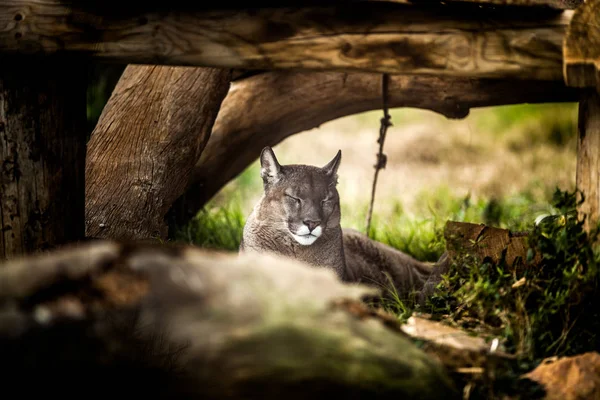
[180, 322]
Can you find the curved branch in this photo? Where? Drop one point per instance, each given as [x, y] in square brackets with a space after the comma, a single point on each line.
[264, 109]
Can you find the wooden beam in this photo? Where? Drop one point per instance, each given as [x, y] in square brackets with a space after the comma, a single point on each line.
[42, 155]
[588, 156]
[371, 36]
[582, 47]
[279, 104]
[133, 6]
[556, 4]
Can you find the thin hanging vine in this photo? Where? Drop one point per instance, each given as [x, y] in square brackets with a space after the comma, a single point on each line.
[381, 157]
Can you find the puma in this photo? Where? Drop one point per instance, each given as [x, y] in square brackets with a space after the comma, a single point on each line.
[298, 216]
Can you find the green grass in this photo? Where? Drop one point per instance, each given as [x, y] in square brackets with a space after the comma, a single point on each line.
[420, 235]
[215, 228]
[531, 124]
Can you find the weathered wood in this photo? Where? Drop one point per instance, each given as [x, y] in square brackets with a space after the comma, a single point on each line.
[143, 149]
[486, 242]
[184, 323]
[42, 155]
[556, 4]
[394, 38]
[279, 104]
[582, 47]
[588, 156]
[133, 6]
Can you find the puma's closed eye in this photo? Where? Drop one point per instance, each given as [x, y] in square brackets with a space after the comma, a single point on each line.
[297, 200]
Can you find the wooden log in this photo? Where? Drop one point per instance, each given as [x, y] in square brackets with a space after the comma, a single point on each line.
[279, 104]
[582, 47]
[588, 157]
[556, 4]
[143, 149]
[395, 38]
[42, 155]
[183, 323]
[133, 6]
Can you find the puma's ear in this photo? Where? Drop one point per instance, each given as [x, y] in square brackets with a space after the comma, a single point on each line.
[332, 167]
[270, 170]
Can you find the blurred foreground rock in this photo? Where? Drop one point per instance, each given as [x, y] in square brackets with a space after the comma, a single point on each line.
[569, 378]
[178, 322]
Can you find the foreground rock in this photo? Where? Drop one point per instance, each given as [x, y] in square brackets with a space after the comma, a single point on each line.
[165, 322]
[569, 378]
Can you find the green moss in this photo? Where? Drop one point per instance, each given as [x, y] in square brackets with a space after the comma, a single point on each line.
[355, 358]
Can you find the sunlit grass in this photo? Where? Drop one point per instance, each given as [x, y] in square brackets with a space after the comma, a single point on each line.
[420, 235]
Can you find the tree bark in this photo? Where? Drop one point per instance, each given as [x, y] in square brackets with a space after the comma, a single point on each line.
[42, 155]
[143, 149]
[279, 104]
[582, 70]
[481, 42]
[588, 157]
[557, 4]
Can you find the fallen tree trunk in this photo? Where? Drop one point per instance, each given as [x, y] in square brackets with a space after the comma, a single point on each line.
[183, 323]
[143, 149]
[42, 155]
[279, 104]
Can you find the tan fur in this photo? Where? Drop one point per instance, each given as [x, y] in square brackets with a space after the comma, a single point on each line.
[352, 255]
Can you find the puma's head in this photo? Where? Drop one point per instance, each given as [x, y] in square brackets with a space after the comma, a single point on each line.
[301, 199]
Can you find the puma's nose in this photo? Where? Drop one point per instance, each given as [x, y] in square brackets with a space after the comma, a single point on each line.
[312, 224]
